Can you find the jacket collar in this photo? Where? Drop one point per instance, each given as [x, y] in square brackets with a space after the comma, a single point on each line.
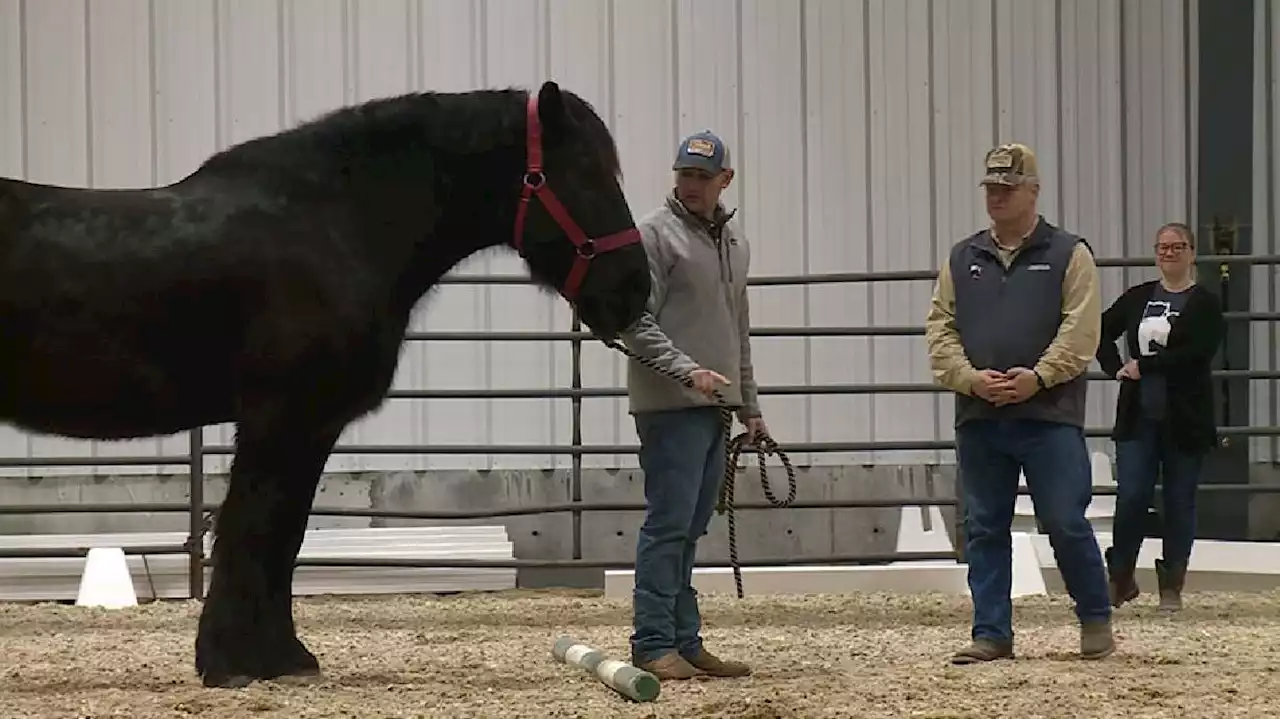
[713, 227]
[1039, 234]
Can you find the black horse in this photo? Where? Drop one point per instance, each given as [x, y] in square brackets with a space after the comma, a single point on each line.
[273, 287]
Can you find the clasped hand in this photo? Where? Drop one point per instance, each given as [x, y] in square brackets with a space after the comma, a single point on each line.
[1001, 388]
[1129, 371]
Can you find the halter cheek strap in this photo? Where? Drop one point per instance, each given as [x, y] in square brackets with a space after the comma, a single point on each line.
[535, 184]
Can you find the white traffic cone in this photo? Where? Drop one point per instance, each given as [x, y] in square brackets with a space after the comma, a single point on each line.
[106, 581]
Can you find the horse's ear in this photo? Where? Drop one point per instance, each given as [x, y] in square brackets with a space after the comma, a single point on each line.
[551, 110]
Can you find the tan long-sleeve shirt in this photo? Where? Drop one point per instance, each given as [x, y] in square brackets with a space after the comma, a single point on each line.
[1066, 357]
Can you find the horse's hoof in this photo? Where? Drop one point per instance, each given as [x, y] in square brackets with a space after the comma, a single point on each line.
[302, 677]
[235, 681]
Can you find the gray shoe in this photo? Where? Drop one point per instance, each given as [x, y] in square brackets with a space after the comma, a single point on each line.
[1096, 639]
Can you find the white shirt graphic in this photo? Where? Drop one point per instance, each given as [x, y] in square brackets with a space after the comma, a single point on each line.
[1153, 329]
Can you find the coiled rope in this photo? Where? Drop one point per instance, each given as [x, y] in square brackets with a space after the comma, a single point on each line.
[764, 445]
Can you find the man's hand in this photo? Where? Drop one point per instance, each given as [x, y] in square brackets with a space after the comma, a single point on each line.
[705, 380]
[756, 428]
[991, 385]
[1021, 386]
[1129, 371]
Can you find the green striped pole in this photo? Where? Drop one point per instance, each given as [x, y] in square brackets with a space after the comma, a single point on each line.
[631, 682]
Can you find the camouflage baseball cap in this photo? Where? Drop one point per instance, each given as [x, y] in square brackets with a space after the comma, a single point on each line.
[1010, 164]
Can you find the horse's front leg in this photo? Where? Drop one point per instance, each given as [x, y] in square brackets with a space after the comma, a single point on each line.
[246, 628]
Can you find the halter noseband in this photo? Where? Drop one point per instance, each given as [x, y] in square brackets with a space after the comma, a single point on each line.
[535, 182]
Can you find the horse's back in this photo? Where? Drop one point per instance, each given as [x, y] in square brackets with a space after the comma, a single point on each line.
[138, 312]
[95, 333]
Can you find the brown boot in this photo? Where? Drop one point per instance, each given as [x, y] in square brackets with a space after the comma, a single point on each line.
[1122, 584]
[710, 664]
[983, 650]
[1171, 579]
[1096, 640]
[668, 666]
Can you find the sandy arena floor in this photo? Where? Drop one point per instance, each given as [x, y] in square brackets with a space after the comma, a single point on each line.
[489, 656]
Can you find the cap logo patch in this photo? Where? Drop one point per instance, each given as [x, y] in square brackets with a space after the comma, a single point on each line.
[700, 146]
[1000, 160]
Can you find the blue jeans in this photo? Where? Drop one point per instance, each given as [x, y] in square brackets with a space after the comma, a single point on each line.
[1151, 453]
[1055, 460]
[682, 456]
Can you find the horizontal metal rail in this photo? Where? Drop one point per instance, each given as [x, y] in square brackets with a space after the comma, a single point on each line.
[615, 564]
[561, 507]
[121, 461]
[570, 450]
[798, 332]
[560, 449]
[64, 552]
[825, 278]
[799, 389]
[525, 510]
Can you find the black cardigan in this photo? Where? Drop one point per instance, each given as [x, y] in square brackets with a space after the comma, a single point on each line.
[1194, 338]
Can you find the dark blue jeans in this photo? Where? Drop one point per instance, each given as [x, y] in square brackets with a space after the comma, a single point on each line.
[1055, 460]
[1139, 461]
[682, 456]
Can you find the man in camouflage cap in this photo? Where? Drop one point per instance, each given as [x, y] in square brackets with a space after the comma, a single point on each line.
[1014, 323]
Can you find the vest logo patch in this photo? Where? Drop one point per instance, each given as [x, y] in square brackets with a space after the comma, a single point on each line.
[1039, 267]
[975, 270]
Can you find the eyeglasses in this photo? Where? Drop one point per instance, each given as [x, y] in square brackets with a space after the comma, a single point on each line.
[1173, 248]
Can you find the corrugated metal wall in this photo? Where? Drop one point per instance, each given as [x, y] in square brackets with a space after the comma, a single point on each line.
[1265, 404]
[858, 127]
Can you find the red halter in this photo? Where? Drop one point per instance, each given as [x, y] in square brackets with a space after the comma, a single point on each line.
[535, 182]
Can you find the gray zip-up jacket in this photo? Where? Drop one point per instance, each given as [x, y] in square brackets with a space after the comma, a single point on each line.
[698, 314]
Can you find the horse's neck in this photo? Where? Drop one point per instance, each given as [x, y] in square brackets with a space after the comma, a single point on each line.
[462, 229]
[446, 197]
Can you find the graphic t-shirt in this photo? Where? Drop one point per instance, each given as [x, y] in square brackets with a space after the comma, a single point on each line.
[1153, 335]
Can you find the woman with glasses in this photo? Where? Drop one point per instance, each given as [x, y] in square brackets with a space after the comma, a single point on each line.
[1164, 415]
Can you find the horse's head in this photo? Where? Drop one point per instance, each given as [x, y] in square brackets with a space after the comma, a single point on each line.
[573, 225]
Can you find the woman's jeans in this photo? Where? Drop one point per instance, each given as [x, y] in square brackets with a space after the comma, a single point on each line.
[1140, 460]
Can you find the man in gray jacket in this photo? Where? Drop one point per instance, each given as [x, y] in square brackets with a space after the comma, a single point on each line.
[697, 324]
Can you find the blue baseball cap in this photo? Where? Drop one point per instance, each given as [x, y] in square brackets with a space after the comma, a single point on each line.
[702, 151]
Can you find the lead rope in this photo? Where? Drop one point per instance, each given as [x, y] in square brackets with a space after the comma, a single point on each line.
[732, 450]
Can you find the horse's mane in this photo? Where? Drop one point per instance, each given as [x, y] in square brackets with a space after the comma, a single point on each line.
[452, 123]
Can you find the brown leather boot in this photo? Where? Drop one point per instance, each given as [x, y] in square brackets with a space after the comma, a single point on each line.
[983, 650]
[668, 666]
[1096, 640]
[1121, 582]
[1171, 579]
[709, 663]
